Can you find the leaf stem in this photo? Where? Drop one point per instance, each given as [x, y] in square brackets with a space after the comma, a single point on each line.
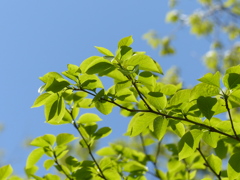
[207, 164]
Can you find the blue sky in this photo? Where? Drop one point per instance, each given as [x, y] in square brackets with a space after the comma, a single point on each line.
[37, 37]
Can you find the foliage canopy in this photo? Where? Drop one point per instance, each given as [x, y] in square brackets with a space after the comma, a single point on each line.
[205, 143]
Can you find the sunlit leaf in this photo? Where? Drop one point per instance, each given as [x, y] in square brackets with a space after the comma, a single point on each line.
[189, 143]
[45, 140]
[126, 41]
[211, 79]
[102, 132]
[48, 163]
[34, 157]
[160, 125]
[89, 118]
[104, 51]
[215, 163]
[206, 104]
[211, 138]
[145, 63]
[5, 171]
[233, 168]
[64, 138]
[140, 122]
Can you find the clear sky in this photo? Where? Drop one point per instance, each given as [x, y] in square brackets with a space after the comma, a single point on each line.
[37, 37]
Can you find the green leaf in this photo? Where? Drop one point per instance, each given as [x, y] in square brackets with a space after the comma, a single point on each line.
[90, 128]
[34, 157]
[180, 96]
[79, 96]
[72, 163]
[145, 63]
[231, 80]
[221, 149]
[124, 53]
[106, 151]
[102, 132]
[96, 65]
[48, 164]
[89, 118]
[134, 166]
[206, 104]
[233, 69]
[189, 143]
[51, 75]
[126, 95]
[215, 163]
[112, 174]
[72, 72]
[157, 100]
[43, 99]
[204, 89]
[233, 168]
[174, 165]
[126, 41]
[160, 125]
[64, 138]
[104, 107]
[86, 103]
[45, 140]
[75, 112]
[30, 171]
[211, 138]
[178, 128]
[54, 111]
[85, 173]
[51, 177]
[90, 82]
[169, 89]
[56, 85]
[99, 96]
[5, 171]
[146, 78]
[234, 98]
[140, 122]
[104, 51]
[105, 163]
[172, 16]
[211, 79]
[63, 169]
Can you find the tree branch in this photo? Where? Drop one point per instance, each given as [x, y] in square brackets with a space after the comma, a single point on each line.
[212, 129]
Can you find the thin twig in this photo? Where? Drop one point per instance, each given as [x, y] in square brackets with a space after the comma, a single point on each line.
[60, 167]
[153, 162]
[230, 116]
[156, 160]
[89, 150]
[207, 163]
